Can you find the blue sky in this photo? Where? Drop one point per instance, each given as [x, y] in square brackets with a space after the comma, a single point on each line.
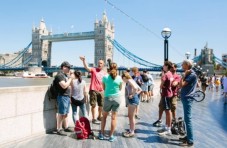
[193, 23]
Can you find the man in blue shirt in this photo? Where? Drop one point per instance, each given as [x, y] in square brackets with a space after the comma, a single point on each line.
[188, 85]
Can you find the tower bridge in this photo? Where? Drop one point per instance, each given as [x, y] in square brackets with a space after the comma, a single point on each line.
[42, 40]
[104, 44]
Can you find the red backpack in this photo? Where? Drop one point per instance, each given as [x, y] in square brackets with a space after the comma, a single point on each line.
[82, 128]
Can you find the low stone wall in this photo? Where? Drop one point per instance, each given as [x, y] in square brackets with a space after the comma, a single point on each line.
[25, 112]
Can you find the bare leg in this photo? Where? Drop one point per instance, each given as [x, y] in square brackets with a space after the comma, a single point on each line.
[65, 122]
[137, 110]
[132, 110]
[103, 123]
[174, 114]
[149, 95]
[142, 96]
[59, 121]
[168, 118]
[93, 111]
[100, 112]
[160, 114]
[113, 122]
[146, 95]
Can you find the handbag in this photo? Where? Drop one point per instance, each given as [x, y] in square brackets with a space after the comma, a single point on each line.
[77, 102]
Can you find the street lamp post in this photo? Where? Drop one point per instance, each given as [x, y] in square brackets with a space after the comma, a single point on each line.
[187, 54]
[166, 33]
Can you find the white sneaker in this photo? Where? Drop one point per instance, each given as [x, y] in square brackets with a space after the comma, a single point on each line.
[166, 132]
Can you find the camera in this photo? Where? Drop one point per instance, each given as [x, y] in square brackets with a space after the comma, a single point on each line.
[109, 68]
[198, 71]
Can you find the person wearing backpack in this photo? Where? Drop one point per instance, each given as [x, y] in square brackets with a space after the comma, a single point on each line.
[63, 81]
[112, 85]
[79, 95]
[204, 82]
[144, 87]
[138, 79]
[150, 86]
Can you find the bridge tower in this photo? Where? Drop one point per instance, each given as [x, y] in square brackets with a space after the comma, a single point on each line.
[41, 49]
[207, 61]
[103, 47]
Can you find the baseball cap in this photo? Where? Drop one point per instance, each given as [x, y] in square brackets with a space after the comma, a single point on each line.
[66, 64]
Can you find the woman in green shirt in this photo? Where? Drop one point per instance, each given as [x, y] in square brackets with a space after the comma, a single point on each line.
[112, 84]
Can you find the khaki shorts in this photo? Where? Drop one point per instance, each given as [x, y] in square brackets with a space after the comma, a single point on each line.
[173, 104]
[96, 96]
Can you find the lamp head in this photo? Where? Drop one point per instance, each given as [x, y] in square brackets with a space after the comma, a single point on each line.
[166, 33]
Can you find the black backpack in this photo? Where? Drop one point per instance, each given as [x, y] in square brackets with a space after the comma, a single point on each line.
[178, 127]
[52, 91]
[137, 80]
[145, 78]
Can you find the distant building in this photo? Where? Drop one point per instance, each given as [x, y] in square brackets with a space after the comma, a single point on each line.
[14, 59]
[41, 49]
[224, 59]
[207, 55]
[207, 62]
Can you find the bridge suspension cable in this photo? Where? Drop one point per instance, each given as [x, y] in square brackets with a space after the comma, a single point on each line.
[219, 61]
[130, 55]
[20, 55]
[26, 61]
[140, 24]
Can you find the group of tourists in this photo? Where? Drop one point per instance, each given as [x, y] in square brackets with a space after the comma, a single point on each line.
[214, 82]
[171, 82]
[105, 91]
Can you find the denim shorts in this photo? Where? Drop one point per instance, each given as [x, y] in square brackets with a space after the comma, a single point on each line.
[63, 104]
[134, 100]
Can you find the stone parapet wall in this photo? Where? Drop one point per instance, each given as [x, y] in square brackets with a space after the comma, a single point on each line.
[25, 112]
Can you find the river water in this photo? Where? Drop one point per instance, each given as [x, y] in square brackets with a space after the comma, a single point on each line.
[18, 82]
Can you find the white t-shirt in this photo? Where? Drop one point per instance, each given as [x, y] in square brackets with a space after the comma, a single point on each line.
[151, 80]
[78, 89]
[129, 88]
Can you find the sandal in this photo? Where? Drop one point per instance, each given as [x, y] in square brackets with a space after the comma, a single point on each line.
[128, 134]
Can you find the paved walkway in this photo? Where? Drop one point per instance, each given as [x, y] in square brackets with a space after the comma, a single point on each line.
[209, 122]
